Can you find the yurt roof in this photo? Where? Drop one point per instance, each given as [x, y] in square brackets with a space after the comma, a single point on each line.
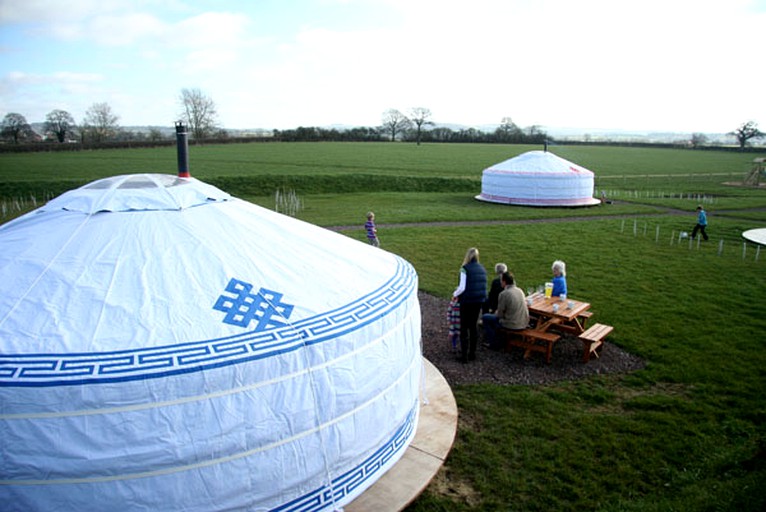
[757, 235]
[539, 162]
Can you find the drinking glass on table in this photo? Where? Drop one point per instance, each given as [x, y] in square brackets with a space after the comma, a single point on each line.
[548, 290]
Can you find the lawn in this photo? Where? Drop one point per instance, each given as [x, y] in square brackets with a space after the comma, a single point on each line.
[688, 432]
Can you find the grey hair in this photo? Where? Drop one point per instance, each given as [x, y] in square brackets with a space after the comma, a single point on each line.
[558, 264]
[501, 268]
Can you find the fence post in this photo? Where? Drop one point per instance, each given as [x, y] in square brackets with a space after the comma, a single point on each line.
[635, 224]
[744, 249]
[657, 234]
[672, 236]
[622, 227]
[720, 247]
[757, 253]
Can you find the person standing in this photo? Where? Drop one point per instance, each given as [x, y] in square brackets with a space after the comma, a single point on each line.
[372, 231]
[471, 292]
[701, 223]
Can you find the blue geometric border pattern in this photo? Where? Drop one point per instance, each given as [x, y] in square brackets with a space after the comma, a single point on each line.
[149, 363]
[326, 496]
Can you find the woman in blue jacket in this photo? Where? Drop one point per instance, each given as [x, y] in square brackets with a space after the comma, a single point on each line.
[471, 292]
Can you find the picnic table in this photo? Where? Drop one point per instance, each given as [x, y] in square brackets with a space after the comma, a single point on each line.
[555, 316]
[566, 314]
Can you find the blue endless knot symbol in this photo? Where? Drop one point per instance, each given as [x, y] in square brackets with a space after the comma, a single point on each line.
[265, 307]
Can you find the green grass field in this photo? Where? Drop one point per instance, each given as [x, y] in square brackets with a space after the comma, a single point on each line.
[688, 432]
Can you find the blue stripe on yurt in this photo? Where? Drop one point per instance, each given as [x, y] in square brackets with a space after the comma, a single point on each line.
[156, 362]
[347, 483]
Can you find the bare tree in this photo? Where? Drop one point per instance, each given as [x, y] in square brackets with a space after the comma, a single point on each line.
[698, 140]
[394, 123]
[59, 123]
[420, 117]
[15, 127]
[508, 131]
[747, 131]
[198, 112]
[100, 123]
[155, 134]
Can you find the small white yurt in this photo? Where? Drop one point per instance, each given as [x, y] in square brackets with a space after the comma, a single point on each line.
[538, 178]
[165, 346]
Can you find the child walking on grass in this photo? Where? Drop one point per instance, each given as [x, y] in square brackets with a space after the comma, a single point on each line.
[372, 231]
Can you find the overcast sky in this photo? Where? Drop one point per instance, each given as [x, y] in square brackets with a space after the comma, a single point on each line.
[649, 65]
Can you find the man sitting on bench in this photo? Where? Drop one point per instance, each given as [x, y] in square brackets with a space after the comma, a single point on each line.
[511, 314]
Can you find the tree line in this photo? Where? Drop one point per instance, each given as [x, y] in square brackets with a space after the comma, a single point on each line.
[198, 112]
[101, 124]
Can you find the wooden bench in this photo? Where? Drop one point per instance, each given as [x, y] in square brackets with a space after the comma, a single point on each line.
[584, 317]
[531, 340]
[593, 340]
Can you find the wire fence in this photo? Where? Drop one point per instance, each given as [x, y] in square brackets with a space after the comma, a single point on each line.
[699, 177]
[682, 239]
[657, 194]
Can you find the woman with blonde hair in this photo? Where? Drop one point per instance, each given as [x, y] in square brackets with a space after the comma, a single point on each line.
[471, 293]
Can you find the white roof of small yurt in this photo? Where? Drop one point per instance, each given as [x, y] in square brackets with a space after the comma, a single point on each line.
[538, 178]
[165, 344]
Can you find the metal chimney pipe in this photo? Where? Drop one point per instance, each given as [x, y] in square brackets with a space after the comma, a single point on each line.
[182, 144]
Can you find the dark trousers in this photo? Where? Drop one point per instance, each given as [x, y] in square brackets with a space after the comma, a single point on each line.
[701, 229]
[491, 323]
[469, 331]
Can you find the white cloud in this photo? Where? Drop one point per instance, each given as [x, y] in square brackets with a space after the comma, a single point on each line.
[211, 29]
[680, 64]
[123, 30]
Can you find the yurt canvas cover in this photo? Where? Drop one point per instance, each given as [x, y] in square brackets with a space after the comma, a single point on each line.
[165, 346]
[538, 178]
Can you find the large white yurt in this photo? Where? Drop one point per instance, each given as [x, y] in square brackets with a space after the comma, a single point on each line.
[165, 346]
[538, 178]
